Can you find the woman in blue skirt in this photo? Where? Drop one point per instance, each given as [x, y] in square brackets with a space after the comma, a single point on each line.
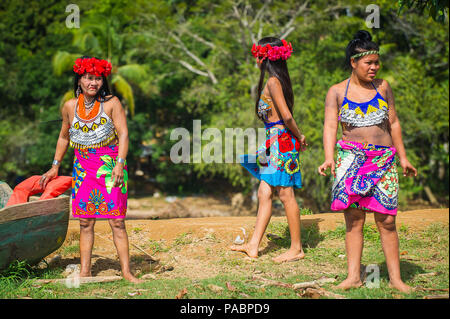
[276, 163]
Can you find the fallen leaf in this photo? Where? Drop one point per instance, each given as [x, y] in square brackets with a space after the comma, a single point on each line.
[148, 276]
[135, 293]
[311, 293]
[164, 268]
[404, 252]
[316, 293]
[428, 274]
[436, 297]
[215, 288]
[230, 287]
[181, 294]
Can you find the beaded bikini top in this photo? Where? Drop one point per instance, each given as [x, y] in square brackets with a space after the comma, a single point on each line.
[264, 106]
[369, 113]
[93, 133]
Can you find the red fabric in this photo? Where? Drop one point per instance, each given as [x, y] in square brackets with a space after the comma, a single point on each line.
[30, 187]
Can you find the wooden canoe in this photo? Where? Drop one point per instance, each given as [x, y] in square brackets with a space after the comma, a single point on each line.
[33, 230]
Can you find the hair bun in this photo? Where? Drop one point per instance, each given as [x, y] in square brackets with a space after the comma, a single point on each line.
[363, 35]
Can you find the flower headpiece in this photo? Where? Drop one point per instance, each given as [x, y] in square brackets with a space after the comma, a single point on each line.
[94, 66]
[273, 52]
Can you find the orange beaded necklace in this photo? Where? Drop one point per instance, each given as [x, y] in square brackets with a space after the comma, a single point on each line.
[82, 109]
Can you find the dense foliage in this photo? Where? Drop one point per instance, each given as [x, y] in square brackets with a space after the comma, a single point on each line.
[178, 61]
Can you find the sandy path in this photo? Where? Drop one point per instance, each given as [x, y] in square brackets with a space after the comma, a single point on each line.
[198, 247]
[226, 227]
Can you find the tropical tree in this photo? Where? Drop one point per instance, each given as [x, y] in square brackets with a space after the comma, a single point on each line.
[102, 39]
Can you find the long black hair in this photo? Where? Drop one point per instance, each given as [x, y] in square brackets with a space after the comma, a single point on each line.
[362, 41]
[102, 93]
[278, 69]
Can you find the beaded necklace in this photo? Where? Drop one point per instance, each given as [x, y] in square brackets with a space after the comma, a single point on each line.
[82, 109]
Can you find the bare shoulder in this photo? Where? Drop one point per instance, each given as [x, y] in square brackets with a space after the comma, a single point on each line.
[383, 87]
[273, 83]
[112, 103]
[69, 106]
[337, 89]
[112, 100]
[70, 103]
[340, 87]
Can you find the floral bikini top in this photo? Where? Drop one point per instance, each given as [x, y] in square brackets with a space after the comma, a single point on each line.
[373, 112]
[93, 133]
[264, 106]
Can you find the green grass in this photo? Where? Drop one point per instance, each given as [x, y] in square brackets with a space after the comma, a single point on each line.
[422, 252]
[183, 239]
[156, 246]
[70, 249]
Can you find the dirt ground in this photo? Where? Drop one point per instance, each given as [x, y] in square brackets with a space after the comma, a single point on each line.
[198, 247]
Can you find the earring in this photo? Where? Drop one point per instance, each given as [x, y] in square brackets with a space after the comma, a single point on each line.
[78, 91]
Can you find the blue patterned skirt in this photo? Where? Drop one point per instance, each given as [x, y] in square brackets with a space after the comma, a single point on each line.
[277, 161]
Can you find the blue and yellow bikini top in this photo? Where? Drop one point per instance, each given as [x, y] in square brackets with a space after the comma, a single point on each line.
[369, 113]
[264, 106]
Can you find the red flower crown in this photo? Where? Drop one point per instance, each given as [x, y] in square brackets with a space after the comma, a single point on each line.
[94, 66]
[273, 52]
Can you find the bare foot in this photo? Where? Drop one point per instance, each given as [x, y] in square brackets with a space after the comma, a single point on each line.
[290, 255]
[400, 286]
[349, 283]
[85, 274]
[132, 279]
[250, 250]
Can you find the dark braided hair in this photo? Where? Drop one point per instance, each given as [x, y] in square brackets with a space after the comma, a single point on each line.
[362, 41]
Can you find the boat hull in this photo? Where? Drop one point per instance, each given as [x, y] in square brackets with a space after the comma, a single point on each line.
[34, 233]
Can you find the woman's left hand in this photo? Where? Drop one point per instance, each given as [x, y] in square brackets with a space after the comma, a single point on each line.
[303, 143]
[117, 175]
[408, 169]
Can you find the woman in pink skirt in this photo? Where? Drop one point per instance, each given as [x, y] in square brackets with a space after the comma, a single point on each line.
[365, 173]
[94, 124]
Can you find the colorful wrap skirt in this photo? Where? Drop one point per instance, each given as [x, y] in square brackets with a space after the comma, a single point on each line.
[277, 160]
[93, 194]
[366, 178]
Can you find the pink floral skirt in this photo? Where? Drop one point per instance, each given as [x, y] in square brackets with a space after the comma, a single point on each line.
[93, 194]
[366, 178]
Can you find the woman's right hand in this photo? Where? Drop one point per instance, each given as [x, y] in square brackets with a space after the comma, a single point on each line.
[327, 164]
[48, 176]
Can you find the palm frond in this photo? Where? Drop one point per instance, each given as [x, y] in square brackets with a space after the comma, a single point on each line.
[125, 90]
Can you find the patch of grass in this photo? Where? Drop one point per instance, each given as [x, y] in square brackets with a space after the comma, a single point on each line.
[337, 233]
[424, 263]
[16, 271]
[370, 232]
[211, 237]
[310, 236]
[183, 239]
[157, 246]
[69, 250]
[306, 211]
